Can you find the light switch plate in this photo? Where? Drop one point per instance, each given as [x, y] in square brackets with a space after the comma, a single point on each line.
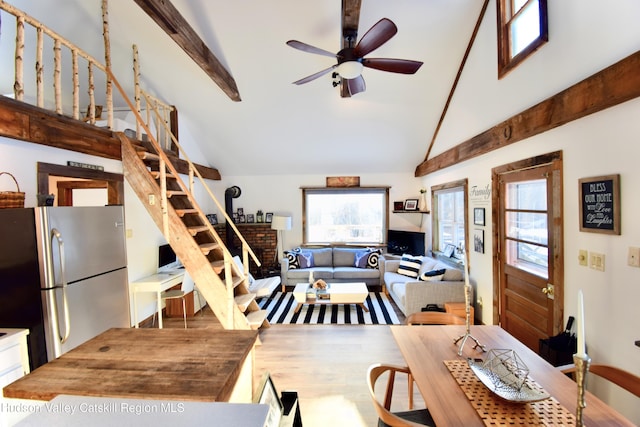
[596, 261]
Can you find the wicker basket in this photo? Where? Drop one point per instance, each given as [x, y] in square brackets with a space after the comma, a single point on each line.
[11, 199]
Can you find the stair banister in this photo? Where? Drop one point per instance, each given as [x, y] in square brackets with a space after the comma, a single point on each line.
[211, 195]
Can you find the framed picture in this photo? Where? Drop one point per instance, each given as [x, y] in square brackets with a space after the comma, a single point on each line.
[411, 205]
[478, 216]
[240, 211]
[242, 219]
[213, 219]
[250, 218]
[449, 249]
[600, 204]
[398, 206]
[478, 240]
[268, 217]
[266, 394]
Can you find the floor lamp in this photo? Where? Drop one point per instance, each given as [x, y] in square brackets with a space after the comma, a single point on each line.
[280, 223]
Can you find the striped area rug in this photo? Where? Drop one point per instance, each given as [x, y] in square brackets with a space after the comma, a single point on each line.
[281, 310]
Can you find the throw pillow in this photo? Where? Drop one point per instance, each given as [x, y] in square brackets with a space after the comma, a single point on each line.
[410, 265]
[432, 276]
[305, 259]
[292, 257]
[367, 258]
[361, 259]
[374, 257]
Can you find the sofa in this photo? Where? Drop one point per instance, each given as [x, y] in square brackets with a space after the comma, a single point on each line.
[415, 281]
[333, 265]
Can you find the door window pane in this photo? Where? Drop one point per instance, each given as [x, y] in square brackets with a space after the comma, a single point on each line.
[526, 224]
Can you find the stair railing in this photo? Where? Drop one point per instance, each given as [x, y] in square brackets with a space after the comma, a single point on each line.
[58, 42]
[165, 163]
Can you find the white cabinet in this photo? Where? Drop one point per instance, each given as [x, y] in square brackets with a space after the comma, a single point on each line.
[14, 355]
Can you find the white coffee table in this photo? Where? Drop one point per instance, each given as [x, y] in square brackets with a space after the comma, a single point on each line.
[339, 293]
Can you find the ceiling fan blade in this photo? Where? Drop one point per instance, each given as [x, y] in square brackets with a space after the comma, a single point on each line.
[314, 76]
[377, 35]
[356, 85]
[402, 66]
[308, 48]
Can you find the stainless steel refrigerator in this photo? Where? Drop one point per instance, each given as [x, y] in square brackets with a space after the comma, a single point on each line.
[63, 275]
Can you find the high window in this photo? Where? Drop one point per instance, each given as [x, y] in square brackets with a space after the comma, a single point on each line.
[345, 215]
[449, 211]
[522, 29]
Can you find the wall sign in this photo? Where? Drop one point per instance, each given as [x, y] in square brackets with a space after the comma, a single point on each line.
[600, 204]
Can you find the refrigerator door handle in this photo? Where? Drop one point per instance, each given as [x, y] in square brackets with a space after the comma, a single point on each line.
[55, 234]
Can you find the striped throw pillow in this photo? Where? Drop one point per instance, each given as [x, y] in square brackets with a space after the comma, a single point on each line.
[410, 265]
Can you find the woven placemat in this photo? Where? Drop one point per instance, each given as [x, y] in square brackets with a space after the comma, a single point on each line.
[495, 411]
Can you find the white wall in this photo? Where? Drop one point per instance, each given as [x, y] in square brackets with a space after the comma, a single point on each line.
[585, 37]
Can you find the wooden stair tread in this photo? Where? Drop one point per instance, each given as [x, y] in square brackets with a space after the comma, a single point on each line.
[145, 155]
[243, 301]
[156, 175]
[256, 318]
[195, 229]
[188, 211]
[171, 193]
[208, 247]
[218, 266]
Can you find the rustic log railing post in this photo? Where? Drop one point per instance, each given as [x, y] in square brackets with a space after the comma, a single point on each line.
[136, 86]
[18, 86]
[57, 74]
[76, 85]
[92, 98]
[39, 68]
[107, 59]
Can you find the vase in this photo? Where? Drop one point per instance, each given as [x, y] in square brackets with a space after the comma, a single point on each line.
[422, 202]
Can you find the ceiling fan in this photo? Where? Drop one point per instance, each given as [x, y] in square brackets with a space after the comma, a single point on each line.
[351, 59]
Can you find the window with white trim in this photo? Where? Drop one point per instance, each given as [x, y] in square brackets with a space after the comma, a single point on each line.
[345, 215]
[449, 214]
[522, 29]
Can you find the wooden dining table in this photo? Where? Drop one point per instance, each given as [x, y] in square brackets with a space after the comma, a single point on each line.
[430, 352]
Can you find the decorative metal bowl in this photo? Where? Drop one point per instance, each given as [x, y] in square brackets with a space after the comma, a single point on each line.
[505, 374]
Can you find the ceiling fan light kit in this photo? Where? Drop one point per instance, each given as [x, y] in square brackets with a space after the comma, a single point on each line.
[351, 61]
[350, 69]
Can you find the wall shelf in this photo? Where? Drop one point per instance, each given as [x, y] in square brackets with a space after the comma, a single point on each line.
[418, 212]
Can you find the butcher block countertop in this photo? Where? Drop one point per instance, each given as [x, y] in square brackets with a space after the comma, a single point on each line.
[161, 364]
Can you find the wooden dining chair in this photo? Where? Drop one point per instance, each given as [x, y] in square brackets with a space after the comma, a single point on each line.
[434, 318]
[414, 418]
[620, 377]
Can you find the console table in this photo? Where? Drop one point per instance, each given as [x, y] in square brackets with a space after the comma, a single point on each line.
[157, 283]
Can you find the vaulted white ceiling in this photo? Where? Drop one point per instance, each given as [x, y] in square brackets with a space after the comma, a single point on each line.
[278, 127]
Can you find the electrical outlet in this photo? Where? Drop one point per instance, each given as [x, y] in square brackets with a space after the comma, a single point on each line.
[129, 233]
[583, 257]
[596, 261]
[152, 199]
[633, 258]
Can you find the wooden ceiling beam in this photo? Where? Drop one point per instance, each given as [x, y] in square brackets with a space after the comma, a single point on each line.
[614, 85]
[176, 26]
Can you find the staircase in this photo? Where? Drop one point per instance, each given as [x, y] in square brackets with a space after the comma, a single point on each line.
[200, 249]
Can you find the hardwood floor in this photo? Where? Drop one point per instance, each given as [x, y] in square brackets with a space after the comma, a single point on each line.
[326, 365]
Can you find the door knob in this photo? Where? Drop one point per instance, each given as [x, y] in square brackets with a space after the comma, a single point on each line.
[548, 290]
